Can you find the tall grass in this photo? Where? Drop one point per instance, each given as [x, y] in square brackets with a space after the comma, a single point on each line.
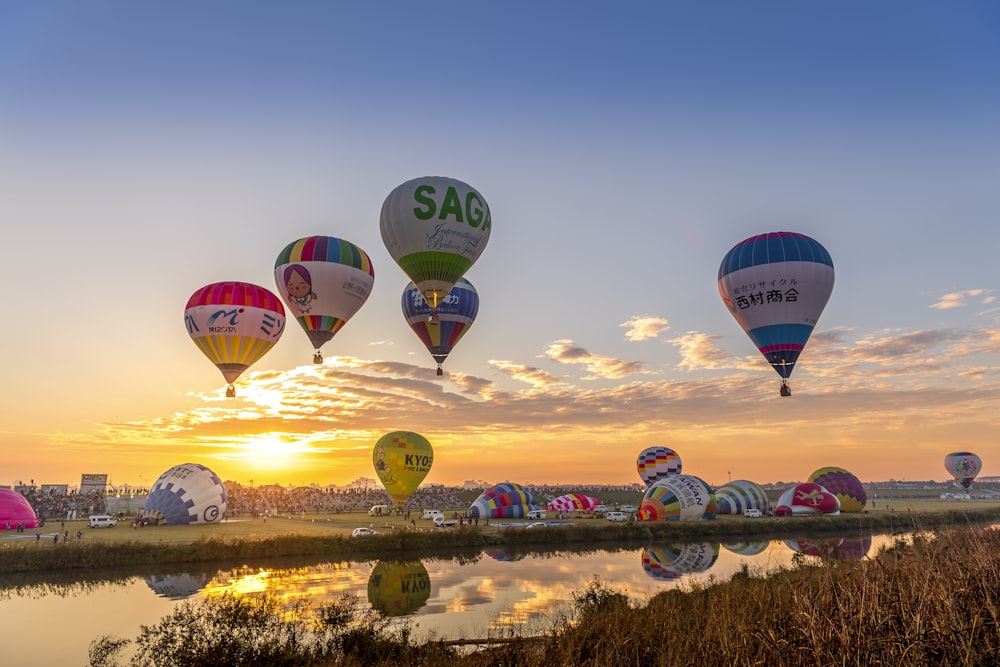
[932, 601]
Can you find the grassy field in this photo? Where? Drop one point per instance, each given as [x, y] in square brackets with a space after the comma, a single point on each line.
[327, 525]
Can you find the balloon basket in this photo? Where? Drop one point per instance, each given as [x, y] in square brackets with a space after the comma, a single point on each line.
[230, 391]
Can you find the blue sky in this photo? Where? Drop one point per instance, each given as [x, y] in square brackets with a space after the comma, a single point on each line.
[148, 149]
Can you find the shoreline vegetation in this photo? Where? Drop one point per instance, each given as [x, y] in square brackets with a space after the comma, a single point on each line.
[932, 597]
[171, 546]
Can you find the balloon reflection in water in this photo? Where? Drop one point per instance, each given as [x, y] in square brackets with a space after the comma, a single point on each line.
[503, 555]
[674, 560]
[176, 586]
[747, 548]
[399, 588]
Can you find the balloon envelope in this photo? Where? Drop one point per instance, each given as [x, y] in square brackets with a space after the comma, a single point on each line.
[677, 498]
[186, 494]
[739, 495]
[324, 281]
[573, 502]
[435, 228]
[234, 324]
[776, 286]
[807, 499]
[843, 484]
[963, 466]
[504, 501]
[656, 463]
[15, 510]
[402, 459]
[455, 314]
[671, 561]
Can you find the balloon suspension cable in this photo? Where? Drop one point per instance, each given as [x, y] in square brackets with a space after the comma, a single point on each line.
[230, 391]
[318, 357]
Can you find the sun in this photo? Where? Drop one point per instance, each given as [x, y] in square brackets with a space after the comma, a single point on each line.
[271, 452]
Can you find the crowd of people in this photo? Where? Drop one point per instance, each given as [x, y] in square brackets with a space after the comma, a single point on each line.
[53, 504]
[274, 499]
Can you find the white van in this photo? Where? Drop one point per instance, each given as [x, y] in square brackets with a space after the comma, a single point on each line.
[536, 514]
[378, 510]
[432, 514]
[617, 516]
[752, 513]
[102, 521]
[600, 509]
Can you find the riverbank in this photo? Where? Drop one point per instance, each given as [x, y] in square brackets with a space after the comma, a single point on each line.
[254, 541]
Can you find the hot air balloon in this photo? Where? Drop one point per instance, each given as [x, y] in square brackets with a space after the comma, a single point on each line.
[399, 588]
[186, 494]
[573, 502]
[656, 463]
[504, 501]
[435, 228]
[739, 495]
[675, 560]
[455, 314]
[776, 286]
[402, 459]
[677, 498]
[843, 484]
[324, 281]
[807, 499]
[16, 510]
[963, 466]
[234, 324]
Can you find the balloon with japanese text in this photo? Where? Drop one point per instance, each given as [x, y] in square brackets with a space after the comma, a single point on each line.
[677, 498]
[776, 285]
[435, 228]
[399, 588]
[324, 281]
[963, 466]
[402, 459]
[455, 314]
[234, 324]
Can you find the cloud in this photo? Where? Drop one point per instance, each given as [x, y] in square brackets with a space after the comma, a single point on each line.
[699, 352]
[644, 327]
[567, 352]
[958, 299]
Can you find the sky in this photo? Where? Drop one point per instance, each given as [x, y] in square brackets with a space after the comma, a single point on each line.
[148, 149]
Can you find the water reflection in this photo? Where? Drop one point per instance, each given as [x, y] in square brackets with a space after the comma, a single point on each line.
[399, 588]
[482, 595]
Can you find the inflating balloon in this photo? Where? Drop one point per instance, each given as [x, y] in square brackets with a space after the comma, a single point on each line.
[656, 463]
[455, 314]
[402, 459]
[776, 286]
[504, 501]
[677, 498]
[740, 495]
[435, 228]
[807, 499]
[324, 281]
[186, 494]
[573, 502]
[234, 324]
[964, 467]
[16, 510]
[843, 484]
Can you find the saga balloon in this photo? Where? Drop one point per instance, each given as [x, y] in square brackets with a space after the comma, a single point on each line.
[656, 463]
[964, 467]
[234, 324]
[455, 314]
[776, 286]
[435, 228]
[402, 459]
[324, 281]
[186, 494]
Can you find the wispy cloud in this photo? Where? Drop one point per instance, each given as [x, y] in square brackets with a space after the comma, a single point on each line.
[567, 352]
[961, 299]
[644, 327]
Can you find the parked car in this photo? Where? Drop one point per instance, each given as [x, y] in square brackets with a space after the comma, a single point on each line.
[358, 532]
[629, 509]
[536, 524]
[600, 509]
[102, 521]
[617, 516]
[753, 513]
[432, 514]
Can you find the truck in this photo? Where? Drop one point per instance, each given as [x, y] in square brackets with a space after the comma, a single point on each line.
[442, 522]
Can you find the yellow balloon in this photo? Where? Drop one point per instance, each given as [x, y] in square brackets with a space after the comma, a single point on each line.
[402, 459]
